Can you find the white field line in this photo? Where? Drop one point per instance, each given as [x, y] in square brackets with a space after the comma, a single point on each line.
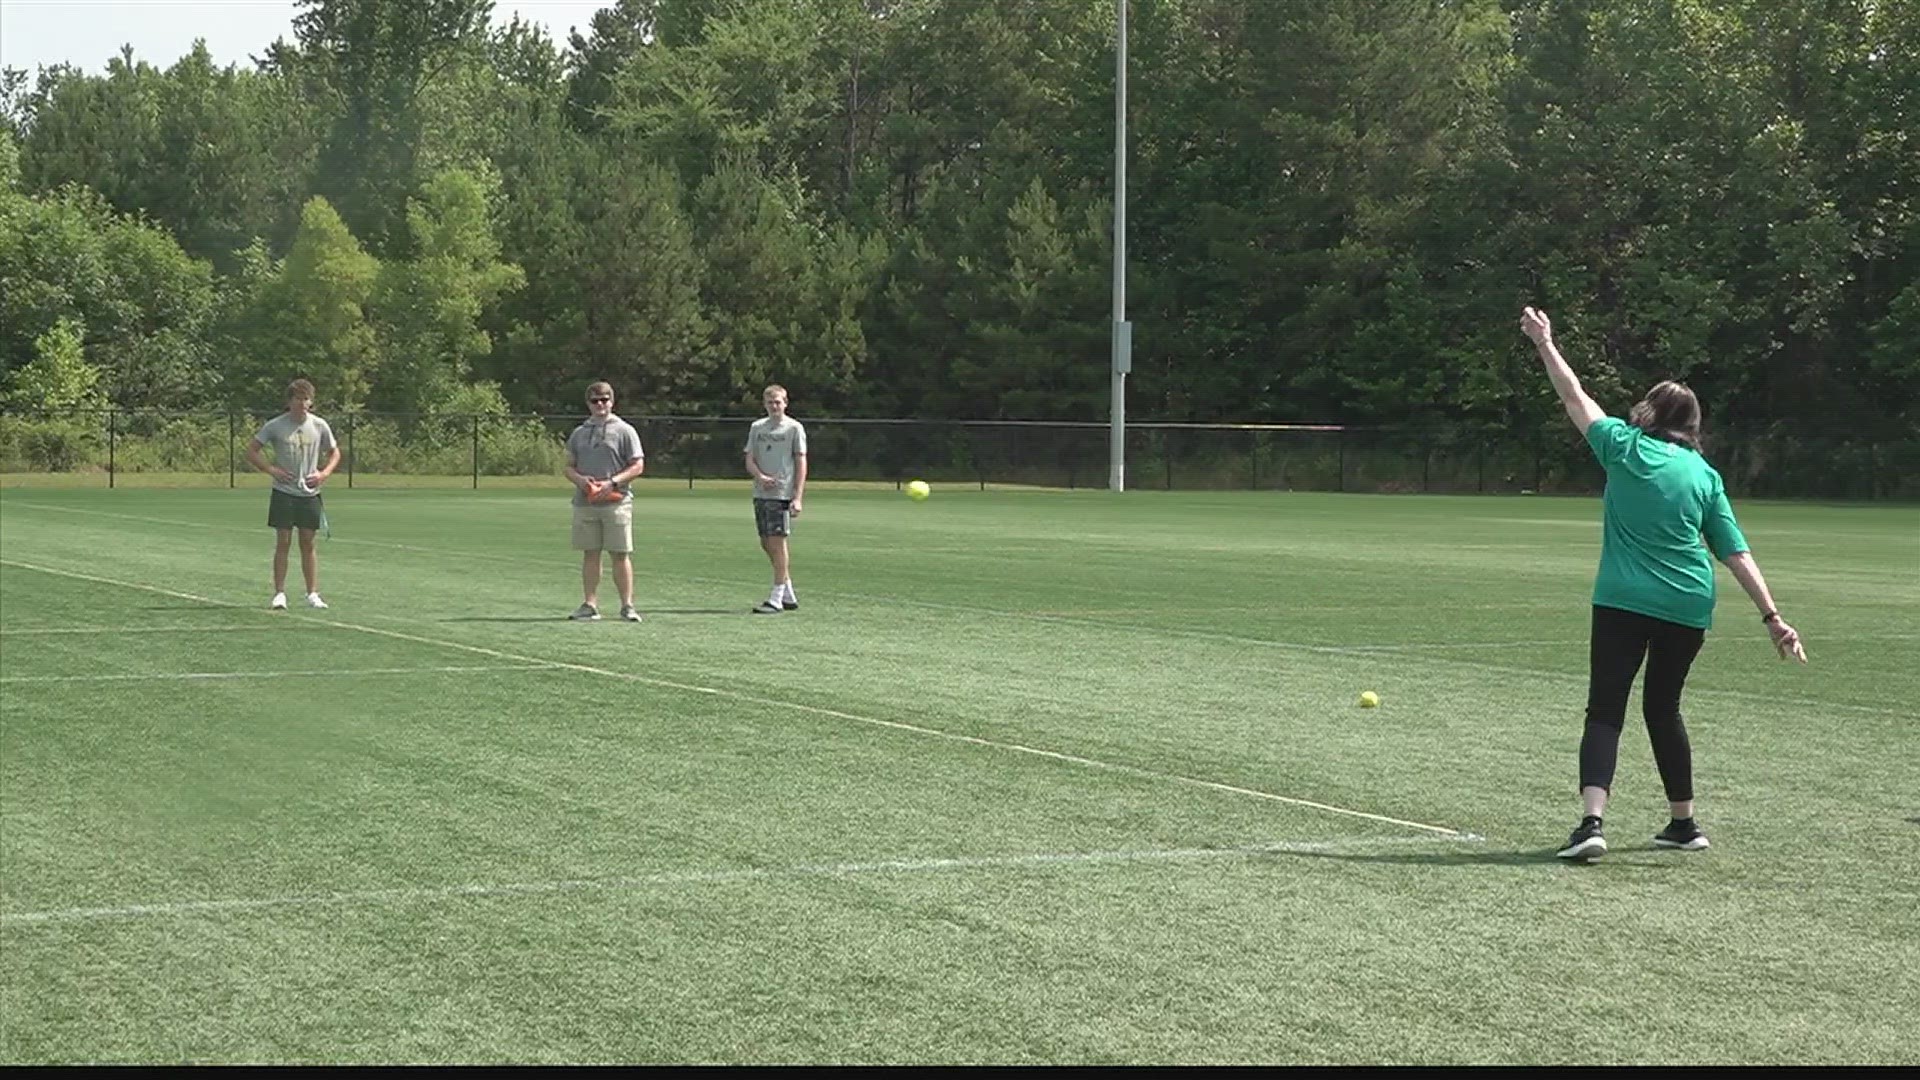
[699, 877]
[37, 631]
[161, 676]
[777, 703]
[1347, 651]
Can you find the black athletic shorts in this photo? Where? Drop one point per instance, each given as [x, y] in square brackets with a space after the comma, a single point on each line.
[773, 517]
[293, 511]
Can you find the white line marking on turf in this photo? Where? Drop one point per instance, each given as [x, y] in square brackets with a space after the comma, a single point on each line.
[452, 669]
[498, 654]
[253, 628]
[672, 878]
[1364, 652]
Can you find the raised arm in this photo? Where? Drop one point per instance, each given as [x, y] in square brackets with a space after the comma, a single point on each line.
[1580, 408]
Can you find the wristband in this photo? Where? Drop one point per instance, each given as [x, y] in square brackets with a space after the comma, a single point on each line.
[1769, 617]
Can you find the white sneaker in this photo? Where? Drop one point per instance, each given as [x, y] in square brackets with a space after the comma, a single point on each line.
[787, 599]
[278, 603]
[314, 601]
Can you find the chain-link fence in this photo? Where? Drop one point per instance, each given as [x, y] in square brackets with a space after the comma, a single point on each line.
[1782, 460]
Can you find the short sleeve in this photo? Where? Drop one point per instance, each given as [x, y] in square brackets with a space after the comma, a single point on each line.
[573, 447]
[799, 439]
[326, 437]
[630, 444]
[752, 429]
[1610, 437]
[265, 435]
[1718, 526]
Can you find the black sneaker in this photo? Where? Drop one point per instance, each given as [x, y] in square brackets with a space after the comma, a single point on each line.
[1586, 844]
[766, 607]
[790, 605]
[1681, 836]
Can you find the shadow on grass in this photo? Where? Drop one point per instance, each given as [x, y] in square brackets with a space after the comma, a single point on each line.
[645, 613]
[188, 607]
[1542, 857]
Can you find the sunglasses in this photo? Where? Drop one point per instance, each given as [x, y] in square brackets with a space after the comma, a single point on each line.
[599, 400]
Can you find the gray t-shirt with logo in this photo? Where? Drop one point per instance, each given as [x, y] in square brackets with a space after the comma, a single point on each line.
[776, 448]
[600, 449]
[298, 446]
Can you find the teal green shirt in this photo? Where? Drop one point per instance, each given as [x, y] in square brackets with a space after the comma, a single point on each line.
[1662, 501]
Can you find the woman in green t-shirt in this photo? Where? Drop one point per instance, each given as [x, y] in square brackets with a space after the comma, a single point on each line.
[1665, 510]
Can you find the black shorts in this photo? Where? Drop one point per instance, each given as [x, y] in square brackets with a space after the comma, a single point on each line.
[773, 517]
[294, 511]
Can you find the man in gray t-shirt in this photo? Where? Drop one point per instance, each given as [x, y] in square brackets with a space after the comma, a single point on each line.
[603, 458]
[776, 457]
[304, 455]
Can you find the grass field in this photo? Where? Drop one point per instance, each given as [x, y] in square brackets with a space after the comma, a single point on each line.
[1032, 777]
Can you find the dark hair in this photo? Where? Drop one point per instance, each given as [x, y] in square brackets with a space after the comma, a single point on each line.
[301, 389]
[1670, 411]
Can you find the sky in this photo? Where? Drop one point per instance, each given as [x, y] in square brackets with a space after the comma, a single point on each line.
[86, 33]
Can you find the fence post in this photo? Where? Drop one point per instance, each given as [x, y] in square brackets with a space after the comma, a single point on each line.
[350, 454]
[1341, 442]
[689, 472]
[113, 425]
[1255, 458]
[1539, 454]
[1480, 466]
[1426, 466]
[1166, 451]
[476, 451]
[232, 469]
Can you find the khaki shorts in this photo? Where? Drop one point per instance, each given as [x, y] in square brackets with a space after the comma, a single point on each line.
[607, 527]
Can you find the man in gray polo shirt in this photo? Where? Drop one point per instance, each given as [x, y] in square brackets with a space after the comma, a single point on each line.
[605, 450]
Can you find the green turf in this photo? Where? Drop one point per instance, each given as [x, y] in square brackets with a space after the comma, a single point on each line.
[390, 837]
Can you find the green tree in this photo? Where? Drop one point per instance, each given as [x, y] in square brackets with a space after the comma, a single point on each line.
[144, 303]
[216, 155]
[428, 310]
[639, 277]
[595, 59]
[372, 60]
[59, 376]
[305, 316]
[780, 292]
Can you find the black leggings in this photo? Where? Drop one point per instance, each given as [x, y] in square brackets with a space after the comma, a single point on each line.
[1620, 640]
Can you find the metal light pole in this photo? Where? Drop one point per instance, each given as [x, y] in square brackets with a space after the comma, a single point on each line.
[1122, 329]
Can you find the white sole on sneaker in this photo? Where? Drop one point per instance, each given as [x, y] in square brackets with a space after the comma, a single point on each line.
[1698, 843]
[1586, 850]
[278, 603]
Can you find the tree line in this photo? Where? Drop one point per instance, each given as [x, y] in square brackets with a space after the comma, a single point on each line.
[903, 207]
